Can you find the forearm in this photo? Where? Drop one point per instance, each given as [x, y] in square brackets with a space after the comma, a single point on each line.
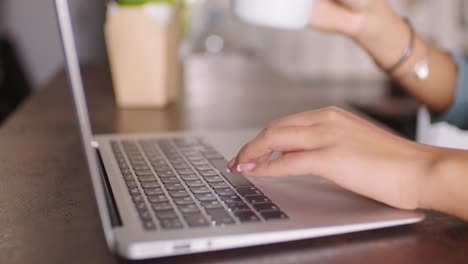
[445, 187]
[385, 36]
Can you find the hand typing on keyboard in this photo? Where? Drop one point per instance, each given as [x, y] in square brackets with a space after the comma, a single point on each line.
[346, 149]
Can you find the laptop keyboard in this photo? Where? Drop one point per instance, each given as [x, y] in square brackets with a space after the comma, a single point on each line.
[181, 183]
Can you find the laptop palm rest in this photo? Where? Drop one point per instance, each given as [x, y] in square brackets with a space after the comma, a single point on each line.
[318, 202]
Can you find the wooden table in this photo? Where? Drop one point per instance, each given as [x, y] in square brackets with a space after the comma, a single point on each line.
[47, 211]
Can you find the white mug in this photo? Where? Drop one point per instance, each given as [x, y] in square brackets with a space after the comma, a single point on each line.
[284, 14]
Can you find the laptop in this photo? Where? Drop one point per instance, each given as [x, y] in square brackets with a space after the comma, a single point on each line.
[169, 194]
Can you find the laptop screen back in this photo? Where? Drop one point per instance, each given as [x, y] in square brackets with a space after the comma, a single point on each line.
[69, 37]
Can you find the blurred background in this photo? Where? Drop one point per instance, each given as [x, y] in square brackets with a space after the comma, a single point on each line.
[31, 51]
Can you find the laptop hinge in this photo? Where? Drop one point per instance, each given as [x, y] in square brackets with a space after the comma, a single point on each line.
[113, 211]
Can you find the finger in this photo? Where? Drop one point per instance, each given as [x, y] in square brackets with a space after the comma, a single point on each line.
[293, 164]
[329, 16]
[284, 139]
[315, 117]
[356, 5]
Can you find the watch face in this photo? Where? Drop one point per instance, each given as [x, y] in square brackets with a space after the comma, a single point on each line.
[421, 70]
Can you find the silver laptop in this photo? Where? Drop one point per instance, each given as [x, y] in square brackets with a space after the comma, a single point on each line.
[169, 194]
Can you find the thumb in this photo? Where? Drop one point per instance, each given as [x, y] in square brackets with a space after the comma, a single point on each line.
[356, 5]
[335, 16]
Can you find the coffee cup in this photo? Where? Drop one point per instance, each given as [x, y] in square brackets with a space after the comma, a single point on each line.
[284, 14]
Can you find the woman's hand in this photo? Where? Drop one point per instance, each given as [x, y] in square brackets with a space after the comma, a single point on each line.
[379, 30]
[343, 148]
[344, 16]
[372, 24]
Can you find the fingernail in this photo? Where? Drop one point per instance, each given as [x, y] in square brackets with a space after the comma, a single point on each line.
[231, 163]
[245, 167]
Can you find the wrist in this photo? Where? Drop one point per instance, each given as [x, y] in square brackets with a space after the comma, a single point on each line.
[442, 179]
[383, 34]
[434, 164]
[444, 188]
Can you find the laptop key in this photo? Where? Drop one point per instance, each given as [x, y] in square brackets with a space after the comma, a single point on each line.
[174, 186]
[140, 167]
[122, 164]
[209, 173]
[219, 216]
[211, 204]
[214, 179]
[238, 207]
[273, 215]
[196, 160]
[178, 193]
[154, 191]
[157, 160]
[247, 216]
[166, 214]
[136, 159]
[174, 157]
[126, 171]
[157, 198]
[143, 173]
[163, 174]
[171, 223]
[146, 178]
[218, 185]
[190, 177]
[140, 206]
[203, 167]
[185, 171]
[212, 155]
[196, 183]
[189, 208]
[203, 197]
[145, 215]
[236, 180]
[134, 191]
[151, 184]
[231, 199]
[137, 198]
[196, 220]
[190, 152]
[149, 225]
[170, 180]
[162, 206]
[128, 177]
[265, 207]
[162, 170]
[200, 190]
[249, 191]
[183, 200]
[200, 162]
[257, 199]
[223, 192]
[181, 166]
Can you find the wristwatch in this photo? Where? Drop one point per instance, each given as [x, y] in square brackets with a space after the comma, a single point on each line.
[421, 69]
